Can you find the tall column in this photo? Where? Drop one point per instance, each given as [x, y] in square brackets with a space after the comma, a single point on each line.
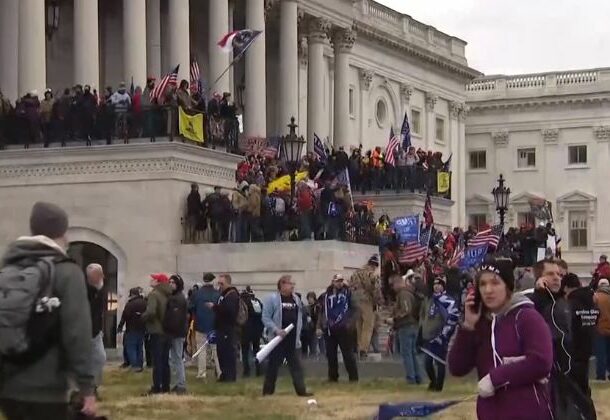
[366, 79]
[343, 41]
[153, 39]
[318, 27]
[179, 37]
[9, 53]
[461, 165]
[456, 192]
[289, 64]
[219, 60]
[134, 42]
[86, 43]
[255, 114]
[430, 132]
[32, 48]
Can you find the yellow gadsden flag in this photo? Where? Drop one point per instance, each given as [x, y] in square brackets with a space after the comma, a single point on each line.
[283, 183]
[191, 126]
[443, 181]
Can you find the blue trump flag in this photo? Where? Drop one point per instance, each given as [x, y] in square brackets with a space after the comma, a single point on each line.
[473, 256]
[407, 228]
[412, 409]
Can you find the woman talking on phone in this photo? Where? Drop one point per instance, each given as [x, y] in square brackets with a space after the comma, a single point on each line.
[509, 344]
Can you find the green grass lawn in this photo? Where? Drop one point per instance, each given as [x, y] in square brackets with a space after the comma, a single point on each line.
[242, 400]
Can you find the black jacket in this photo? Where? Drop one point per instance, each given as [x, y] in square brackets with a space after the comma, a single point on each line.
[584, 320]
[97, 301]
[254, 325]
[175, 321]
[132, 315]
[226, 310]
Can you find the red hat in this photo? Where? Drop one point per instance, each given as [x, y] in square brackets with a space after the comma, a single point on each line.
[160, 277]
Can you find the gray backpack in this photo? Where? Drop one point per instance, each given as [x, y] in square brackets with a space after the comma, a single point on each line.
[28, 310]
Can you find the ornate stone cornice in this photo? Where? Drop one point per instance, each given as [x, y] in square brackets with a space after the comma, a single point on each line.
[366, 78]
[302, 51]
[550, 135]
[465, 109]
[602, 132]
[317, 29]
[270, 10]
[343, 39]
[500, 138]
[535, 103]
[454, 109]
[431, 99]
[406, 91]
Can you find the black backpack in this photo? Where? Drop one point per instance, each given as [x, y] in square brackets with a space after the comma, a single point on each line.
[175, 322]
[29, 314]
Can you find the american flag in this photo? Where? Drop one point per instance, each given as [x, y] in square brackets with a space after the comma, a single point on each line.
[170, 79]
[195, 77]
[318, 148]
[414, 251]
[272, 149]
[489, 237]
[390, 150]
[428, 218]
[458, 253]
[405, 133]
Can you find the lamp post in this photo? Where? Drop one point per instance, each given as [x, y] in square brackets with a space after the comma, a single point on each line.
[292, 147]
[52, 24]
[501, 196]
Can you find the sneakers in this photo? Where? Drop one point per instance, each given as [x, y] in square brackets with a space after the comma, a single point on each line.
[201, 375]
[178, 390]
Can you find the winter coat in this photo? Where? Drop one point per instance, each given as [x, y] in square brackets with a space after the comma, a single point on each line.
[438, 319]
[254, 201]
[254, 325]
[365, 287]
[584, 319]
[521, 392]
[226, 310]
[97, 301]
[204, 316]
[602, 300]
[405, 311]
[175, 321]
[46, 380]
[132, 315]
[156, 307]
[349, 318]
[272, 316]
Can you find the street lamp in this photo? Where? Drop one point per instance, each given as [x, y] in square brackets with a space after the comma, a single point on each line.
[501, 196]
[52, 24]
[292, 147]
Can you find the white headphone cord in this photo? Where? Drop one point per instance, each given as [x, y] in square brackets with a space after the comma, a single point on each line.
[563, 334]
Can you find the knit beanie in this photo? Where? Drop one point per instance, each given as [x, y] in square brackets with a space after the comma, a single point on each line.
[501, 267]
[49, 220]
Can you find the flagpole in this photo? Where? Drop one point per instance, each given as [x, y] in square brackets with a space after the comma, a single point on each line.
[241, 54]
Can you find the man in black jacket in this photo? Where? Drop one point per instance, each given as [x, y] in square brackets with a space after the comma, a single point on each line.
[252, 331]
[97, 303]
[133, 340]
[175, 325]
[226, 311]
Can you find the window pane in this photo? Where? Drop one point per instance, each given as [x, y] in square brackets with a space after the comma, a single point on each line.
[415, 121]
[578, 229]
[440, 129]
[577, 155]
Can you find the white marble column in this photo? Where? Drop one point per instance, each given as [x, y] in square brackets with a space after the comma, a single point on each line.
[255, 113]
[366, 79]
[454, 141]
[153, 38]
[218, 20]
[134, 42]
[343, 41]
[318, 28]
[179, 37]
[289, 64]
[32, 47]
[86, 43]
[460, 165]
[430, 132]
[9, 53]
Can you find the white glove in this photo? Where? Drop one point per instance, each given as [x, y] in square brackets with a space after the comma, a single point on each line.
[486, 387]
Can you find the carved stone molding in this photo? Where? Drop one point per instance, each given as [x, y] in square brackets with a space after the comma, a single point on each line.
[303, 51]
[602, 132]
[454, 109]
[431, 99]
[343, 39]
[406, 91]
[366, 78]
[500, 138]
[317, 29]
[550, 135]
[464, 111]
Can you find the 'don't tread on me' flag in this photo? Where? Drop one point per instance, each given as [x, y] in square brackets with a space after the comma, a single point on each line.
[443, 181]
[191, 126]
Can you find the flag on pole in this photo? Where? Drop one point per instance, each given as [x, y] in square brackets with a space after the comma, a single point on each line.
[413, 251]
[132, 88]
[272, 150]
[458, 253]
[318, 148]
[447, 165]
[195, 78]
[428, 218]
[405, 133]
[412, 409]
[238, 41]
[170, 79]
[488, 237]
[393, 143]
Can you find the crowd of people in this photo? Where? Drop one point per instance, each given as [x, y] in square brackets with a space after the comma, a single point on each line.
[81, 113]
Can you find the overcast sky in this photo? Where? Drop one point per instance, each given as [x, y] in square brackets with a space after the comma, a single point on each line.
[521, 36]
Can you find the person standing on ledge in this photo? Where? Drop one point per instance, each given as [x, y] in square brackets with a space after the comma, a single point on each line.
[280, 310]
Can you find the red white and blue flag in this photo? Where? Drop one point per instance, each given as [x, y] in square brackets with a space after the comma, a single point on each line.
[428, 218]
[272, 150]
[390, 150]
[238, 41]
[489, 237]
[414, 251]
[405, 133]
[195, 77]
[170, 79]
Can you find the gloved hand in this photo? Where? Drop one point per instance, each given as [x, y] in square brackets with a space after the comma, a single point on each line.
[486, 387]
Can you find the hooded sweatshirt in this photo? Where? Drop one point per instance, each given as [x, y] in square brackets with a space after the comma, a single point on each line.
[46, 380]
[515, 349]
[584, 319]
[156, 307]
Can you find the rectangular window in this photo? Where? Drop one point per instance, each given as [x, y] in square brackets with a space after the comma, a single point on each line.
[478, 159]
[578, 229]
[478, 221]
[351, 102]
[526, 158]
[416, 121]
[526, 218]
[577, 155]
[440, 129]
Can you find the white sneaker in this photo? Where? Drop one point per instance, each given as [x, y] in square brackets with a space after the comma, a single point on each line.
[201, 375]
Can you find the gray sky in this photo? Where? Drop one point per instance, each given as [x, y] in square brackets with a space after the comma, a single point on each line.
[521, 36]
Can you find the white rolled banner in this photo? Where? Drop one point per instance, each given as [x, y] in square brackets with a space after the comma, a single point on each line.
[268, 348]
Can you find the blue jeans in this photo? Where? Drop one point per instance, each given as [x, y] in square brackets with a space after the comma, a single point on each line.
[176, 363]
[408, 337]
[134, 345]
[602, 356]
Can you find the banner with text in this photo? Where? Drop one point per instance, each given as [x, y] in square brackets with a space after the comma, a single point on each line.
[407, 229]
